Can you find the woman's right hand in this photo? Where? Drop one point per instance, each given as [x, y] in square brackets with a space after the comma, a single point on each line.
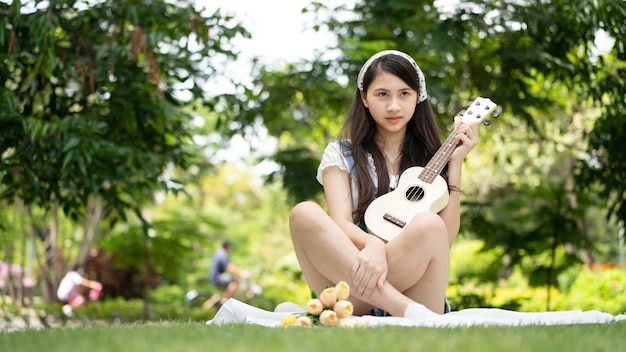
[369, 270]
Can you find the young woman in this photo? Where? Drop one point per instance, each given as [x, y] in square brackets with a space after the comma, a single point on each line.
[390, 127]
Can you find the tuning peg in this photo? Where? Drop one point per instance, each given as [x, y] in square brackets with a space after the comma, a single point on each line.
[486, 122]
[469, 103]
[496, 114]
[462, 112]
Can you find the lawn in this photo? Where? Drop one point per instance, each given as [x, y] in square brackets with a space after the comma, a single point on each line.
[188, 337]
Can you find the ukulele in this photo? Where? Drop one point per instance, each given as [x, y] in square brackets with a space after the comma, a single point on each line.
[421, 189]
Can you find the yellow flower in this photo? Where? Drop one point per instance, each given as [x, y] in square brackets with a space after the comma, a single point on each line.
[328, 296]
[343, 308]
[314, 306]
[328, 318]
[353, 322]
[304, 321]
[361, 322]
[346, 323]
[288, 319]
[343, 290]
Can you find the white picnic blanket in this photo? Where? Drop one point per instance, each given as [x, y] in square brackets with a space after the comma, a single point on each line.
[237, 312]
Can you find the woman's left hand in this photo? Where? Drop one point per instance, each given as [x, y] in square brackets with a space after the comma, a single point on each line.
[466, 139]
[369, 269]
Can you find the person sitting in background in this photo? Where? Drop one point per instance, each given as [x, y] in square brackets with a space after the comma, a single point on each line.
[224, 274]
[69, 290]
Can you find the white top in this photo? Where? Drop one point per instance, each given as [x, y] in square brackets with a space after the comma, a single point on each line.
[333, 156]
[70, 281]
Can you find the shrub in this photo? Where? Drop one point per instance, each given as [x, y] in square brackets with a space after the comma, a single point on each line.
[598, 287]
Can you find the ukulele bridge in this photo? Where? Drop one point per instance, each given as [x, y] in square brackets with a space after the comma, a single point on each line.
[392, 219]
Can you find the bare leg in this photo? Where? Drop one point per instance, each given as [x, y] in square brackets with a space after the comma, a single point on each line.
[326, 254]
[230, 291]
[77, 301]
[419, 261]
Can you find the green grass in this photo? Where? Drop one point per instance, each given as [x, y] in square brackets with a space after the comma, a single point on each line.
[188, 337]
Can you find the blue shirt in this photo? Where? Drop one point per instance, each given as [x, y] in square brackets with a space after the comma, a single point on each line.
[218, 265]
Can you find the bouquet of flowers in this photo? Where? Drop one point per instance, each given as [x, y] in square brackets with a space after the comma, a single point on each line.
[331, 308]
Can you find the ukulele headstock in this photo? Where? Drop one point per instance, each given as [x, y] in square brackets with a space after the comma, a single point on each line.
[478, 110]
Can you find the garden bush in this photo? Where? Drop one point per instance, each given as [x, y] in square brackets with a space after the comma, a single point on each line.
[476, 280]
[601, 287]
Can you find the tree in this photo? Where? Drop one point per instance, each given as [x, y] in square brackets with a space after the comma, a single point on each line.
[534, 58]
[92, 105]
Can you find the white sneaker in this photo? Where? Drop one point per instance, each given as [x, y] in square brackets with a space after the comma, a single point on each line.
[419, 311]
[67, 310]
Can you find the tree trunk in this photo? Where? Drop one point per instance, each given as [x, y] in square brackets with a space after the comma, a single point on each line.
[93, 217]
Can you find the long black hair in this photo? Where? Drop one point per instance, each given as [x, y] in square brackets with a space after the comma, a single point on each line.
[421, 141]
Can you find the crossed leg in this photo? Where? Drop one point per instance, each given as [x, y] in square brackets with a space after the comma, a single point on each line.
[418, 260]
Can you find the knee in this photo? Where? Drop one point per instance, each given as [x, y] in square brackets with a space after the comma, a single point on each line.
[304, 219]
[77, 301]
[433, 220]
[303, 211]
[430, 225]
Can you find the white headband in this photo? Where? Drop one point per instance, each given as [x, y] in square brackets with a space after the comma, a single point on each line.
[422, 81]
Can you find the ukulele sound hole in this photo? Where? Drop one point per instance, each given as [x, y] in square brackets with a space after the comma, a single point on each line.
[414, 193]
